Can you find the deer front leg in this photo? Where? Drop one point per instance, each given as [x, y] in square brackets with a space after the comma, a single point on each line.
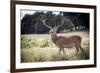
[64, 51]
[59, 51]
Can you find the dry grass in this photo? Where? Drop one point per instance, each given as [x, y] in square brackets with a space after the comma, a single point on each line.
[44, 54]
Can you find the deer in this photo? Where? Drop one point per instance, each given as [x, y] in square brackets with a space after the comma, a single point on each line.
[61, 41]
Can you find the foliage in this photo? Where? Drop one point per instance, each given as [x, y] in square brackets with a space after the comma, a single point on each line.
[32, 56]
[42, 49]
[31, 23]
[40, 42]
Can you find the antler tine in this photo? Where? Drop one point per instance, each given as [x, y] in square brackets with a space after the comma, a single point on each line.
[60, 24]
[46, 24]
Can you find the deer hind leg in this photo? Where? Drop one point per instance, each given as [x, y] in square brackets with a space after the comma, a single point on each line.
[81, 49]
[77, 48]
[82, 52]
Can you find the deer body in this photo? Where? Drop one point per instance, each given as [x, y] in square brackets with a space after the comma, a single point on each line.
[64, 42]
[69, 42]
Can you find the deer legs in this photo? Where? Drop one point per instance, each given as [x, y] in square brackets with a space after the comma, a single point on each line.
[63, 57]
[79, 48]
[82, 51]
[61, 49]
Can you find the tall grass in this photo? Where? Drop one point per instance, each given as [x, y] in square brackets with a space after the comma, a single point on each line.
[39, 42]
[44, 50]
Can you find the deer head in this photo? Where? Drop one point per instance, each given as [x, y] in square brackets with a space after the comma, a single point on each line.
[52, 29]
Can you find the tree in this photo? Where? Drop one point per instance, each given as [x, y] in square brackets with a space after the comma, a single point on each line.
[32, 23]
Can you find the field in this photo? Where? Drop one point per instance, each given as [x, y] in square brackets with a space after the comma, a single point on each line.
[40, 48]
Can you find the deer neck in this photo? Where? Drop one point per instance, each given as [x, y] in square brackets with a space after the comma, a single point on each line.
[54, 37]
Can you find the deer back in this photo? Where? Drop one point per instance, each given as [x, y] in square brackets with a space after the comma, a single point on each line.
[68, 42]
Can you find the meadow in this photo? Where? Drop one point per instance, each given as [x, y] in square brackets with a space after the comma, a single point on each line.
[40, 48]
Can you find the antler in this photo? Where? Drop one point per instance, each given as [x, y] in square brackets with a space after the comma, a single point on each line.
[60, 24]
[46, 24]
[56, 27]
[43, 19]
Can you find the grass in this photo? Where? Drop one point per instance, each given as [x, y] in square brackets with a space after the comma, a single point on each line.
[36, 42]
[42, 49]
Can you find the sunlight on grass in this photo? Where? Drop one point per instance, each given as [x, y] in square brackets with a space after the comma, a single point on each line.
[43, 50]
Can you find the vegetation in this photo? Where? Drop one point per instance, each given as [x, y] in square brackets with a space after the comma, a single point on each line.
[31, 23]
[37, 48]
[42, 49]
[36, 43]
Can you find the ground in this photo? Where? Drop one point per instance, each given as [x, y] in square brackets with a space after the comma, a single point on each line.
[45, 50]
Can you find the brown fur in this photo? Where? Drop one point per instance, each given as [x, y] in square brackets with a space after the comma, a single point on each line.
[66, 42]
[61, 41]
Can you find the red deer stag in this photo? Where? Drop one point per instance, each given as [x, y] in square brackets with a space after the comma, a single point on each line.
[63, 42]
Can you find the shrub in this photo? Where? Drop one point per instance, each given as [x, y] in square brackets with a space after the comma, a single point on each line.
[40, 43]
